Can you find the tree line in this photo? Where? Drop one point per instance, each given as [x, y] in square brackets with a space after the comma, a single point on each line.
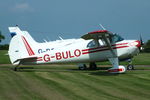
[147, 47]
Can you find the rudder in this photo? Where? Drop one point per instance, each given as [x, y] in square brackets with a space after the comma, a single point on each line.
[21, 45]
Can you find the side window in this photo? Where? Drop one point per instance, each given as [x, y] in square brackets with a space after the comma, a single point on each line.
[102, 42]
[91, 44]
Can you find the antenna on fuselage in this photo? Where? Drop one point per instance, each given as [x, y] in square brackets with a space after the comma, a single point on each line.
[60, 38]
[45, 41]
[102, 26]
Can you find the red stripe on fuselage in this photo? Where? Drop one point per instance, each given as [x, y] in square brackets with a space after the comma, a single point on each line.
[119, 44]
[28, 47]
[102, 47]
[39, 59]
[72, 56]
[99, 49]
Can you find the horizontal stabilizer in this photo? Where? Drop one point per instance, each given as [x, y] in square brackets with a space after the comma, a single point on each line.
[31, 58]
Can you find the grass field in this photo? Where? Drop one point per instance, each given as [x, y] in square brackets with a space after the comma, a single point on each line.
[4, 59]
[67, 83]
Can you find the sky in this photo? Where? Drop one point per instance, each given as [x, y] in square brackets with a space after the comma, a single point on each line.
[49, 19]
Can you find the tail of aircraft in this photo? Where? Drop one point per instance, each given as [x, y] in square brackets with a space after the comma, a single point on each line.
[22, 45]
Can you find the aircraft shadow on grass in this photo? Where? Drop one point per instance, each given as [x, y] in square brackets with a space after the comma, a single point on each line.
[100, 71]
[104, 73]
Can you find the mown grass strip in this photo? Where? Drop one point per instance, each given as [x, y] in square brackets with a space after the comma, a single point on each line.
[58, 87]
[71, 83]
[13, 87]
[60, 83]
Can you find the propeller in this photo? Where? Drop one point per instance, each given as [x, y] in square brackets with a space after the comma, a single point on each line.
[142, 43]
[141, 40]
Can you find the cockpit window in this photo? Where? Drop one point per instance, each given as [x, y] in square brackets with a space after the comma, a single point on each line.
[117, 38]
[101, 42]
[91, 44]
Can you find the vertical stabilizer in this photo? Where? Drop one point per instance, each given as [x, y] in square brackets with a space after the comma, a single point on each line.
[22, 45]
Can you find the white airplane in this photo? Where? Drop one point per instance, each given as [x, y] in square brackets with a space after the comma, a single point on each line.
[96, 46]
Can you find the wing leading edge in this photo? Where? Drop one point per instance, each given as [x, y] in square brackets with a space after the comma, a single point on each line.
[96, 34]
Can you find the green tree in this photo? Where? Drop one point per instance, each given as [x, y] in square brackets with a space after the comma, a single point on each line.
[147, 46]
[4, 47]
[1, 37]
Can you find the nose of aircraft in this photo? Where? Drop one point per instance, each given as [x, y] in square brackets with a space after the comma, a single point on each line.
[138, 43]
[135, 47]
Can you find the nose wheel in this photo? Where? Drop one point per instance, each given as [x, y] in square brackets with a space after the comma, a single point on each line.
[130, 65]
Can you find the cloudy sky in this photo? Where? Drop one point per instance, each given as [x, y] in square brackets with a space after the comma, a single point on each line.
[48, 19]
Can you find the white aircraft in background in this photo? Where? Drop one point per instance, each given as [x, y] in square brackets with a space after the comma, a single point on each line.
[96, 46]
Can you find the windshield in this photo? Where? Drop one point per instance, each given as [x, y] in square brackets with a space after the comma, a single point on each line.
[117, 38]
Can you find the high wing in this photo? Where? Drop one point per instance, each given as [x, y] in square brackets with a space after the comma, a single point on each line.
[101, 34]
[96, 34]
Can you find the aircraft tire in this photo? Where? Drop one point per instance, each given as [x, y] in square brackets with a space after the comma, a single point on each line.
[15, 69]
[130, 67]
[93, 66]
[82, 67]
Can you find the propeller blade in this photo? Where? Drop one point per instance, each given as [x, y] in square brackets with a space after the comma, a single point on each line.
[142, 43]
[141, 40]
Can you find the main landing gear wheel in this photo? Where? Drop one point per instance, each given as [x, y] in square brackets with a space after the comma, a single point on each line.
[130, 67]
[82, 67]
[15, 68]
[93, 66]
